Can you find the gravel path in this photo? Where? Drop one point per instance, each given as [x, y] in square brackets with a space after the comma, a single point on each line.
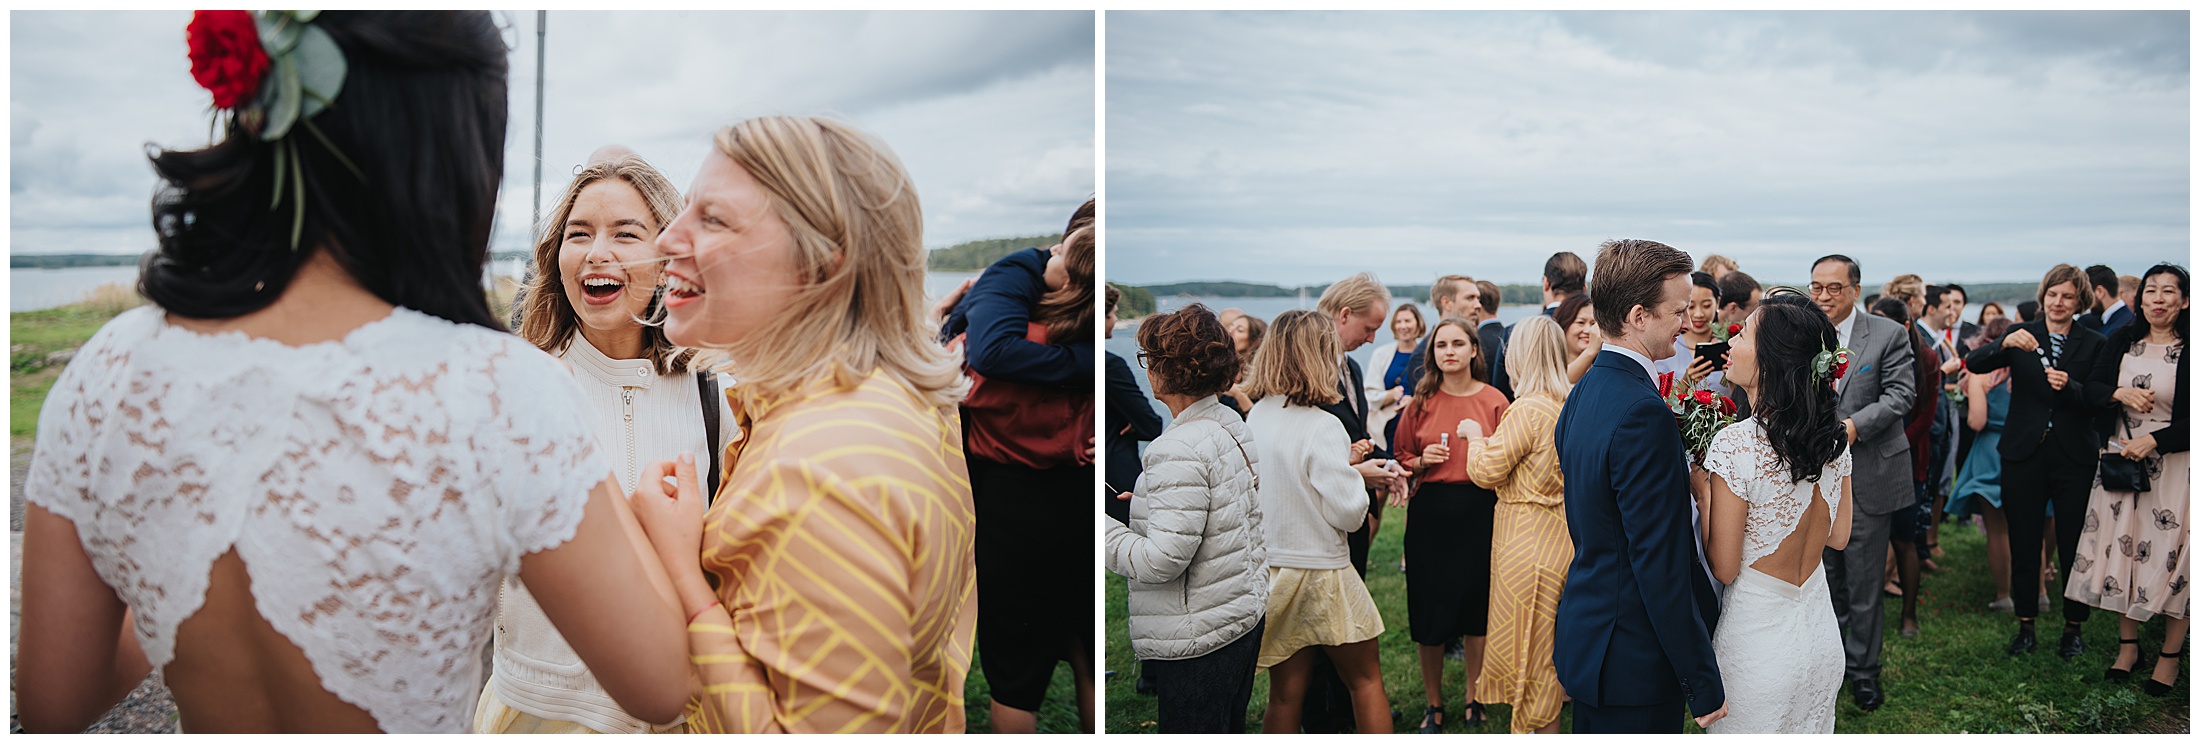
[148, 709]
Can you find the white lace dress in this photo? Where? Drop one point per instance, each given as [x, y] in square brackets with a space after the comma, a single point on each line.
[1778, 645]
[377, 489]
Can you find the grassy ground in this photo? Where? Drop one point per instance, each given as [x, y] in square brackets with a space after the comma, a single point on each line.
[1954, 677]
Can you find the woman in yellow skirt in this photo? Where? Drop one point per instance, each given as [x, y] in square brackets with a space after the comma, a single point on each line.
[1529, 545]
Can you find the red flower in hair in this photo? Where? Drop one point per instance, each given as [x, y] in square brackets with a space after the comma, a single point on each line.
[1733, 329]
[1726, 405]
[226, 57]
[1706, 397]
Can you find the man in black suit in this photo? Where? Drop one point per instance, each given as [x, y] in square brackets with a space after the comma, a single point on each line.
[2048, 447]
[2108, 309]
[1130, 419]
[1492, 335]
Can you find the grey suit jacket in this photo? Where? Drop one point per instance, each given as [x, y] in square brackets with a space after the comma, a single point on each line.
[1877, 393]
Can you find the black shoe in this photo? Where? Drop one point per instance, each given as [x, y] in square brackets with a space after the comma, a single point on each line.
[1867, 694]
[2024, 643]
[2118, 675]
[2071, 646]
[2158, 689]
[1144, 685]
[1432, 721]
[1476, 714]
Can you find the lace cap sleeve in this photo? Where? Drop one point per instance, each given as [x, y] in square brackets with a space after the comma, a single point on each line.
[1729, 455]
[82, 397]
[537, 451]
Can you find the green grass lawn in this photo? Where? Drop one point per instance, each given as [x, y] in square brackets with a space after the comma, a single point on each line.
[1954, 677]
[32, 336]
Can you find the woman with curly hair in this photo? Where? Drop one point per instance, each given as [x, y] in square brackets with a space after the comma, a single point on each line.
[1193, 551]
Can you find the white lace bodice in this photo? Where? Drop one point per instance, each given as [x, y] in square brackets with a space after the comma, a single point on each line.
[1742, 455]
[376, 488]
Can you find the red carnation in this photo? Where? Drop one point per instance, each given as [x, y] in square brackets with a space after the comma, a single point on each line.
[1665, 384]
[226, 57]
[1705, 397]
[1733, 329]
[1840, 368]
[1726, 405]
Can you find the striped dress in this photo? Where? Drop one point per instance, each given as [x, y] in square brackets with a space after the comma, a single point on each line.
[842, 544]
[1528, 557]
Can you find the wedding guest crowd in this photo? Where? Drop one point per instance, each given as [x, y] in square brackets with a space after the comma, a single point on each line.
[1932, 418]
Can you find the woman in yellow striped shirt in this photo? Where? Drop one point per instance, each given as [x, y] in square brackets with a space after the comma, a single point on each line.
[830, 585]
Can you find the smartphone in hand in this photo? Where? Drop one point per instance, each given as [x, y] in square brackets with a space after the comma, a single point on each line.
[1716, 351]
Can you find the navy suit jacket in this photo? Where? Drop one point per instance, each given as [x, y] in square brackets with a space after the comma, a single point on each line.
[996, 312]
[1632, 627]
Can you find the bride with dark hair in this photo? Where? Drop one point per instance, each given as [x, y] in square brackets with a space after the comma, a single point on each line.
[1780, 496]
[293, 484]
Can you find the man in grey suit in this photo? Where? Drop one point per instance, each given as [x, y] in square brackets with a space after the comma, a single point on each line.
[1876, 395]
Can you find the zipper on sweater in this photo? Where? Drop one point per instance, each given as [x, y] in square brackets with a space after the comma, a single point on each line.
[626, 402]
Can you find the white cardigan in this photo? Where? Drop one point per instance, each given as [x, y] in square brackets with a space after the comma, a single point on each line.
[1309, 497]
[1193, 551]
[639, 417]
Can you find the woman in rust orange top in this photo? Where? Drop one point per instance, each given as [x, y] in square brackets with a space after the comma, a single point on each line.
[841, 542]
[1448, 516]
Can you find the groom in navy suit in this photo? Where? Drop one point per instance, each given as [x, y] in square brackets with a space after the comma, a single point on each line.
[1634, 624]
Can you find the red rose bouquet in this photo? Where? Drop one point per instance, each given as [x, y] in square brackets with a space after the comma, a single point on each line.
[1700, 414]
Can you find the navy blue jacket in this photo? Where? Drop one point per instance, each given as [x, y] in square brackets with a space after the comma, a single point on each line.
[996, 312]
[1632, 627]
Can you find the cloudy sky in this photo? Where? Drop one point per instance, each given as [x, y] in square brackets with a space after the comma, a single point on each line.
[991, 112]
[1296, 148]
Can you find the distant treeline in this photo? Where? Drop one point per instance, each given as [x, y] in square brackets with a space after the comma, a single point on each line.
[1136, 302]
[70, 260]
[978, 254]
[2006, 293]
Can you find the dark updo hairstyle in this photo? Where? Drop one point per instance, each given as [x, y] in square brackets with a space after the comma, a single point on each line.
[1797, 411]
[421, 114]
[1188, 352]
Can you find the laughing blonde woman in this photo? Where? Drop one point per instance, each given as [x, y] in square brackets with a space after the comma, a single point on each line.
[829, 588]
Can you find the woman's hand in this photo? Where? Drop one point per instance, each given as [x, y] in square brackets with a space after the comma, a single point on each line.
[2139, 447]
[1699, 486]
[947, 304]
[1393, 396]
[1953, 365]
[1468, 429]
[1360, 450]
[2139, 400]
[1434, 455]
[674, 523]
[1696, 372]
[2021, 340]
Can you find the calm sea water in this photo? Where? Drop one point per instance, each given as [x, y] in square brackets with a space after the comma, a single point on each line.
[38, 289]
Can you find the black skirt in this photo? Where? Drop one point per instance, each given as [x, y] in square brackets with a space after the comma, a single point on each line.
[1034, 545]
[1448, 547]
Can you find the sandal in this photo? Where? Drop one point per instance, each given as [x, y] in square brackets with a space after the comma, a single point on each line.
[2156, 688]
[1432, 721]
[1476, 714]
[2118, 675]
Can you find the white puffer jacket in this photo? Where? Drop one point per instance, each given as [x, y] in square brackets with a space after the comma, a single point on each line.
[1198, 572]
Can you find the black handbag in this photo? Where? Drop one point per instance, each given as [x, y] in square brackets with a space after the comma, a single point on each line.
[2123, 474]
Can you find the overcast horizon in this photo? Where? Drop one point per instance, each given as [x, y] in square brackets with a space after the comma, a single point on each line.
[1295, 148]
[991, 113]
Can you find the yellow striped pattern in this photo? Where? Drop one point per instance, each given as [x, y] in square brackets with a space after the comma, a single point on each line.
[1529, 550]
[841, 541]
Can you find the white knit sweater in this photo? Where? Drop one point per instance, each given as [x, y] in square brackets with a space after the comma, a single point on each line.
[641, 417]
[1309, 497]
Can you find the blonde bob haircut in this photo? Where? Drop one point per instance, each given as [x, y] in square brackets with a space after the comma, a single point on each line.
[858, 236]
[548, 321]
[1536, 359]
[1299, 360]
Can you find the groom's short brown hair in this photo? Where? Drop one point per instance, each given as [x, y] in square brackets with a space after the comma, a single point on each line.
[1630, 273]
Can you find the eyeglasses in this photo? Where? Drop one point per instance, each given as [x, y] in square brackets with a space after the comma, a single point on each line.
[1145, 361]
[1829, 290]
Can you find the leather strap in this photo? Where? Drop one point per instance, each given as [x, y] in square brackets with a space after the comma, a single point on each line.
[707, 385]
